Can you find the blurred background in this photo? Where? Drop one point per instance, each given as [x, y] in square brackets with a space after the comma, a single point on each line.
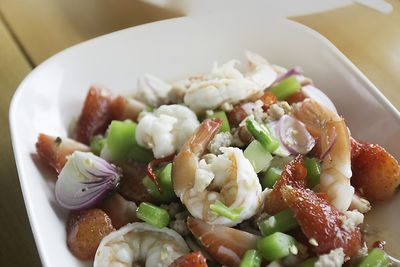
[366, 31]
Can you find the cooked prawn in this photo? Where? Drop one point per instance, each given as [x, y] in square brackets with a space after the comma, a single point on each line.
[226, 245]
[335, 144]
[140, 243]
[229, 178]
[228, 84]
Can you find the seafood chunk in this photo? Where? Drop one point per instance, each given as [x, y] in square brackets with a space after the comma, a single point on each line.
[229, 178]
[226, 245]
[228, 84]
[333, 140]
[166, 129]
[140, 243]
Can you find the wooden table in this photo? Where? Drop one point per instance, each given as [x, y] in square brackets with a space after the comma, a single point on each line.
[31, 31]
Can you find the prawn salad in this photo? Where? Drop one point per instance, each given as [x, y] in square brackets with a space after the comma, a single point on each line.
[233, 167]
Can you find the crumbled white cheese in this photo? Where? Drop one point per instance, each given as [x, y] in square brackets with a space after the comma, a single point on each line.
[236, 141]
[180, 227]
[255, 111]
[227, 107]
[223, 139]
[172, 208]
[276, 111]
[335, 258]
[351, 220]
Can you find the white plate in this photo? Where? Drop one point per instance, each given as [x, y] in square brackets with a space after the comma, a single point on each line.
[52, 95]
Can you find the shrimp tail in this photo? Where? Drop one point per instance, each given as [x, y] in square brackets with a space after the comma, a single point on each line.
[199, 140]
[188, 156]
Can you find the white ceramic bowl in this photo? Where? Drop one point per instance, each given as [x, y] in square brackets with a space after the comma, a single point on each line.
[52, 95]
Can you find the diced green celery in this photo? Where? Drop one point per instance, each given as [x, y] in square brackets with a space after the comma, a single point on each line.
[252, 258]
[270, 177]
[122, 143]
[164, 179]
[376, 258]
[280, 222]
[257, 155]
[313, 171]
[276, 246]
[231, 213]
[97, 144]
[222, 115]
[262, 133]
[309, 263]
[149, 109]
[153, 215]
[285, 87]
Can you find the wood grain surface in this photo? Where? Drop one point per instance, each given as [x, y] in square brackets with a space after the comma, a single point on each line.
[17, 247]
[33, 30]
[371, 40]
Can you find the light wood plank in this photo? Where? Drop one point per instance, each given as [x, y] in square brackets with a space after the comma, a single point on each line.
[371, 40]
[17, 247]
[46, 27]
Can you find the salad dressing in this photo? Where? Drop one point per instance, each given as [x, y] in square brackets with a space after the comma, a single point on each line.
[382, 223]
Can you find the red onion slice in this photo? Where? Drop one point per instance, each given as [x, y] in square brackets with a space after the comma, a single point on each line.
[248, 107]
[293, 71]
[294, 135]
[318, 96]
[84, 181]
[281, 150]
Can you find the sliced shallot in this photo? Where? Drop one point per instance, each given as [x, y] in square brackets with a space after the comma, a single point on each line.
[84, 181]
[294, 135]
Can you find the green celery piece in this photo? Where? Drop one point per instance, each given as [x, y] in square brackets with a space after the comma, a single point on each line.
[164, 179]
[313, 171]
[122, 143]
[97, 144]
[222, 115]
[276, 246]
[309, 263]
[258, 156]
[252, 258]
[153, 215]
[149, 109]
[285, 87]
[270, 177]
[262, 133]
[231, 213]
[280, 222]
[376, 258]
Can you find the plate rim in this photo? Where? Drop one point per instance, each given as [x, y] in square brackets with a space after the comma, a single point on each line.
[386, 104]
